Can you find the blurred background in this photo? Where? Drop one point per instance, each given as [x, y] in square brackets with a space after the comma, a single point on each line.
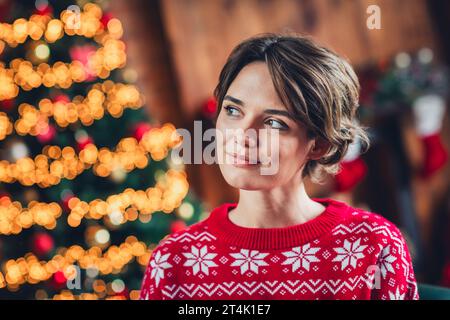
[91, 92]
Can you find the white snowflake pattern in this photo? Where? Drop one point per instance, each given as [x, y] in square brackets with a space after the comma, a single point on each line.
[158, 264]
[396, 295]
[386, 260]
[350, 253]
[249, 259]
[200, 260]
[301, 257]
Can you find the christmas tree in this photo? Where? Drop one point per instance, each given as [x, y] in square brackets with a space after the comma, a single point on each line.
[88, 187]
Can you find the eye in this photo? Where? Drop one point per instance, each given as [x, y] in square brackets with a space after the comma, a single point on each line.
[275, 124]
[231, 111]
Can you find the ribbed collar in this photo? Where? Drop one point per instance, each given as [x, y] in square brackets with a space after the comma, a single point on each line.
[220, 224]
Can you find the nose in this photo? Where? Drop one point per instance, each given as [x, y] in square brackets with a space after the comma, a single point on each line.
[247, 138]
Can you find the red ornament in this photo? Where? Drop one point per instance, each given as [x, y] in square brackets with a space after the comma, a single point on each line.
[44, 10]
[177, 225]
[43, 244]
[82, 143]
[105, 19]
[351, 173]
[59, 277]
[65, 202]
[82, 54]
[4, 195]
[59, 280]
[140, 129]
[436, 156]
[48, 135]
[124, 293]
[62, 98]
[7, 105]
[210, 107]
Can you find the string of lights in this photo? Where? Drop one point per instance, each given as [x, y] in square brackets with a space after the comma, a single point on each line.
[166, 196]
[86, 23]
[108, 96]
[53, 164]
[109, 56]
[29, 269]
[103, 291]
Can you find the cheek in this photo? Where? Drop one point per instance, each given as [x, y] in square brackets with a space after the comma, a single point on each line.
[223, 137]
[229, 134]
[292, 154]
[287, 147]
[223, 125]
[293, 149]
[219, 121]
[220, 130]
[224, 121]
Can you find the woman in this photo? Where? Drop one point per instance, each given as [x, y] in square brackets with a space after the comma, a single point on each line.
[277, 242]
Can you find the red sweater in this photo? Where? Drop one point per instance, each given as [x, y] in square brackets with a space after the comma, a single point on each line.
[344, 253]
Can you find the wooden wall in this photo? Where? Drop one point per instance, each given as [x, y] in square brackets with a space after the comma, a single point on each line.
[203, 32]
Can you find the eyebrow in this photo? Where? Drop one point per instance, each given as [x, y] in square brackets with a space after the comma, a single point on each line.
[234, 100]
[268, 111]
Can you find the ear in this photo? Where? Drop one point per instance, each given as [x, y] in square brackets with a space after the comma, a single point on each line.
[319, 147]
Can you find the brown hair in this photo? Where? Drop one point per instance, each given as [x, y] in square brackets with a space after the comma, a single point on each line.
[319, 88]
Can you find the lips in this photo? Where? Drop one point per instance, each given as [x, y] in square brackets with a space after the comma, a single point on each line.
[242, 159]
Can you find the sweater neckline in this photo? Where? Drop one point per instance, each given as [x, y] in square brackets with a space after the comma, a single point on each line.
[276, 238]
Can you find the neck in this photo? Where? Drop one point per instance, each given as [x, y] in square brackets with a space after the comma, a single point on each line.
[279, 207]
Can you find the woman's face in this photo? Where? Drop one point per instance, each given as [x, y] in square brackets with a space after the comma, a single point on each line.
[262, 146]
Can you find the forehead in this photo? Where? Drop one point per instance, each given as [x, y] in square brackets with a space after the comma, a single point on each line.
[253, 85]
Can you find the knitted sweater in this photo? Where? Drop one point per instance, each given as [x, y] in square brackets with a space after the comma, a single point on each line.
[344, 253]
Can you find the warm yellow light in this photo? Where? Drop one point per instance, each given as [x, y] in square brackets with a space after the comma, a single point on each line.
[186, 210]
[42, 51]
[102, 236]
[54, 30]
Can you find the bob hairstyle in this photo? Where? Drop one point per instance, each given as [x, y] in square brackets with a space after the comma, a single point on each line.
[318, 87]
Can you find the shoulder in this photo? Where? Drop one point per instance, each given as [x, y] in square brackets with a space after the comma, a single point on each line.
[384, 240]
[377, 228]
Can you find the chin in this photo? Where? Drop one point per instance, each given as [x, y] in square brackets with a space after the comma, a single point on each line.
[247, 179]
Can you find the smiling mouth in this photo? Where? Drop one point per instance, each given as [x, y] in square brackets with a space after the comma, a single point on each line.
[238, 160]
